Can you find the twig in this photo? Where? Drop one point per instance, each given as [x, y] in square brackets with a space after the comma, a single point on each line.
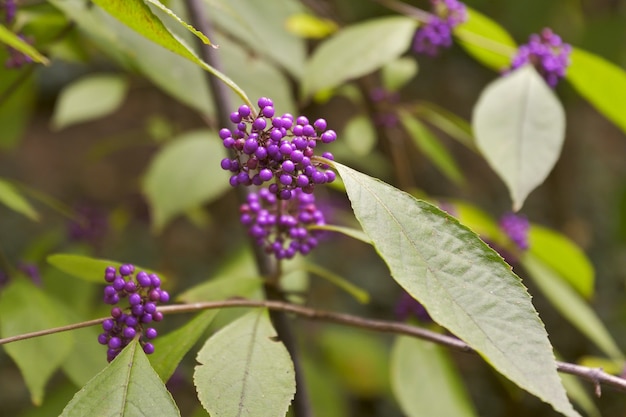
[595, 375]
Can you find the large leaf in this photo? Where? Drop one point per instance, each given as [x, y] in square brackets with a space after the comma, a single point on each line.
[520, 128]
[431, 147]
[127, 387]
[243, 370]
[84, 267]
[10, 197]
[170, 349]
[425, 381]
[486, 40]
[138, 16]
[356, 51]
[601, 82]
[185, 174]
[465, 285]
[571, 305]
[89, 98]
[564, 257]
[25, 308]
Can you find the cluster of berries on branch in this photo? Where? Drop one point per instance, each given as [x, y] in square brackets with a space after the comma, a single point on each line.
[436, 32]
[143, 292]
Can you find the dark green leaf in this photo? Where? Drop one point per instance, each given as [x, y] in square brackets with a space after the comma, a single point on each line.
[127, 387]
[9, 38]
[601, 82]
[357, 50]
[520, 128]
[432, 148]
[465, 286]
[185, 174]
[26, 308]
[425, 381]
[243, 370]
[170, 349]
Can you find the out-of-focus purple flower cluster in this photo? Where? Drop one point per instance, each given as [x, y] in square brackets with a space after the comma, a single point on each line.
[436, 33]
[16, 59]
[547, 53]
[516, 228]
[386, 100]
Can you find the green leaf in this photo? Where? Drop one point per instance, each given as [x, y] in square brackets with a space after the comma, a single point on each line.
[359, 135]
[178, 20]
[17, 108]
[564, 257]
[15, 42]
[425, 381]
[465, 285]
[25, 308]
[347, 231]
[397, 73]
[356, 51]
[89, 269]
[127, 387]
[89, 98]
[185, 174]
[570, 305]
[87, 358]
[309, 26]
[487, 41]
[431, 147]
[138, 16]
[601, 82]
[10, 197]
[520, 128]
[244, 370]
[448, 122]
[359, 294]
[170, 349]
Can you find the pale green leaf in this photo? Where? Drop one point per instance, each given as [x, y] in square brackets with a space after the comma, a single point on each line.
[357, 50]
[347, 231]
[26, 308]
[170, 349]
[359, 135]
[520, 128]
[397, 73]
[425, 381]
[89, 98]
[309, 26]
[564, 257]
[11, 39]
[178, 20]
[185, 174]
[571, 305]
[465, 285]
[138, 16]
[487, 41]
[601, 82]
[127, 387]
[431, 147]
[244, 371]
[10, 197]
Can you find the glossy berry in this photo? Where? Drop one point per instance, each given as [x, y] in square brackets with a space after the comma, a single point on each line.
[436, 33]
[547, 53]
[143, 292]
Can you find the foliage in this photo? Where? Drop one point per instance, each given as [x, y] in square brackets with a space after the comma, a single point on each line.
[394, 186]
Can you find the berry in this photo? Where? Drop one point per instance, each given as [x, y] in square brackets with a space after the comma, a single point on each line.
[436, 33]
[548, 53]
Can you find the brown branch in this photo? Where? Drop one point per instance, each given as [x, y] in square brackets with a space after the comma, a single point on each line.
[595, 375]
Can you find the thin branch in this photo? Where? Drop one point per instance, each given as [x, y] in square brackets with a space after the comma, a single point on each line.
[595, 375]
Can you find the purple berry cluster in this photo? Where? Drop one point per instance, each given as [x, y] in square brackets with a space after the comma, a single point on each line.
[144, 292]
[437, 31]
[277, 150]
[281, 226]
[547, 53]
[516, 228]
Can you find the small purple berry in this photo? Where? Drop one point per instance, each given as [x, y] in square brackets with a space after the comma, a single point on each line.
[151, 333]
[148, 348]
